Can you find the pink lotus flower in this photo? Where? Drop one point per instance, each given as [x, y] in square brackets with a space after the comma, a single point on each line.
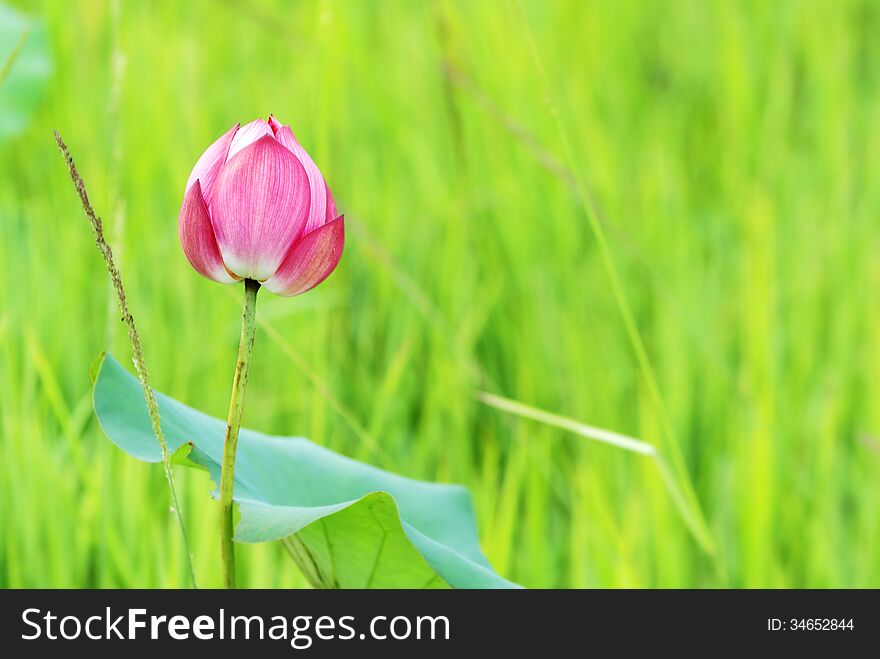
[257, 207]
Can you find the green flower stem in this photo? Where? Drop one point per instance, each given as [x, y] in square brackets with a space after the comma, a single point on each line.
[233, 423]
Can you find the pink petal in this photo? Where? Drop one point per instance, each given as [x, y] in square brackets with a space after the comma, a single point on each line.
[197, 237]
[274, 124]
[247, 135]
[259, 208]
[208, 166]
[310, 261]
[318, 214]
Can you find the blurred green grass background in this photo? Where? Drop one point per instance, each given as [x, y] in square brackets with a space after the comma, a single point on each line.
[732, 149]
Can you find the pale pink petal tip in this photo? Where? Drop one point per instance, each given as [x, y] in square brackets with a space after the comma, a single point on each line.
[197, 237]
[259, 208]
[274, 124]
[247, 135]
[310, 261]
[208, 166]
[285, 137]
[318, 210]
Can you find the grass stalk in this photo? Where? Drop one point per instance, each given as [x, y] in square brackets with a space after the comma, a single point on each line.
[140, 364]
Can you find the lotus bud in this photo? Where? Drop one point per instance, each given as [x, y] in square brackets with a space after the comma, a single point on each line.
[257, 207]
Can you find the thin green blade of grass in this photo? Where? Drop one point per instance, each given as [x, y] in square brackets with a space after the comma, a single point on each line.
[604, 436]
[590, 432]
[13, 55]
